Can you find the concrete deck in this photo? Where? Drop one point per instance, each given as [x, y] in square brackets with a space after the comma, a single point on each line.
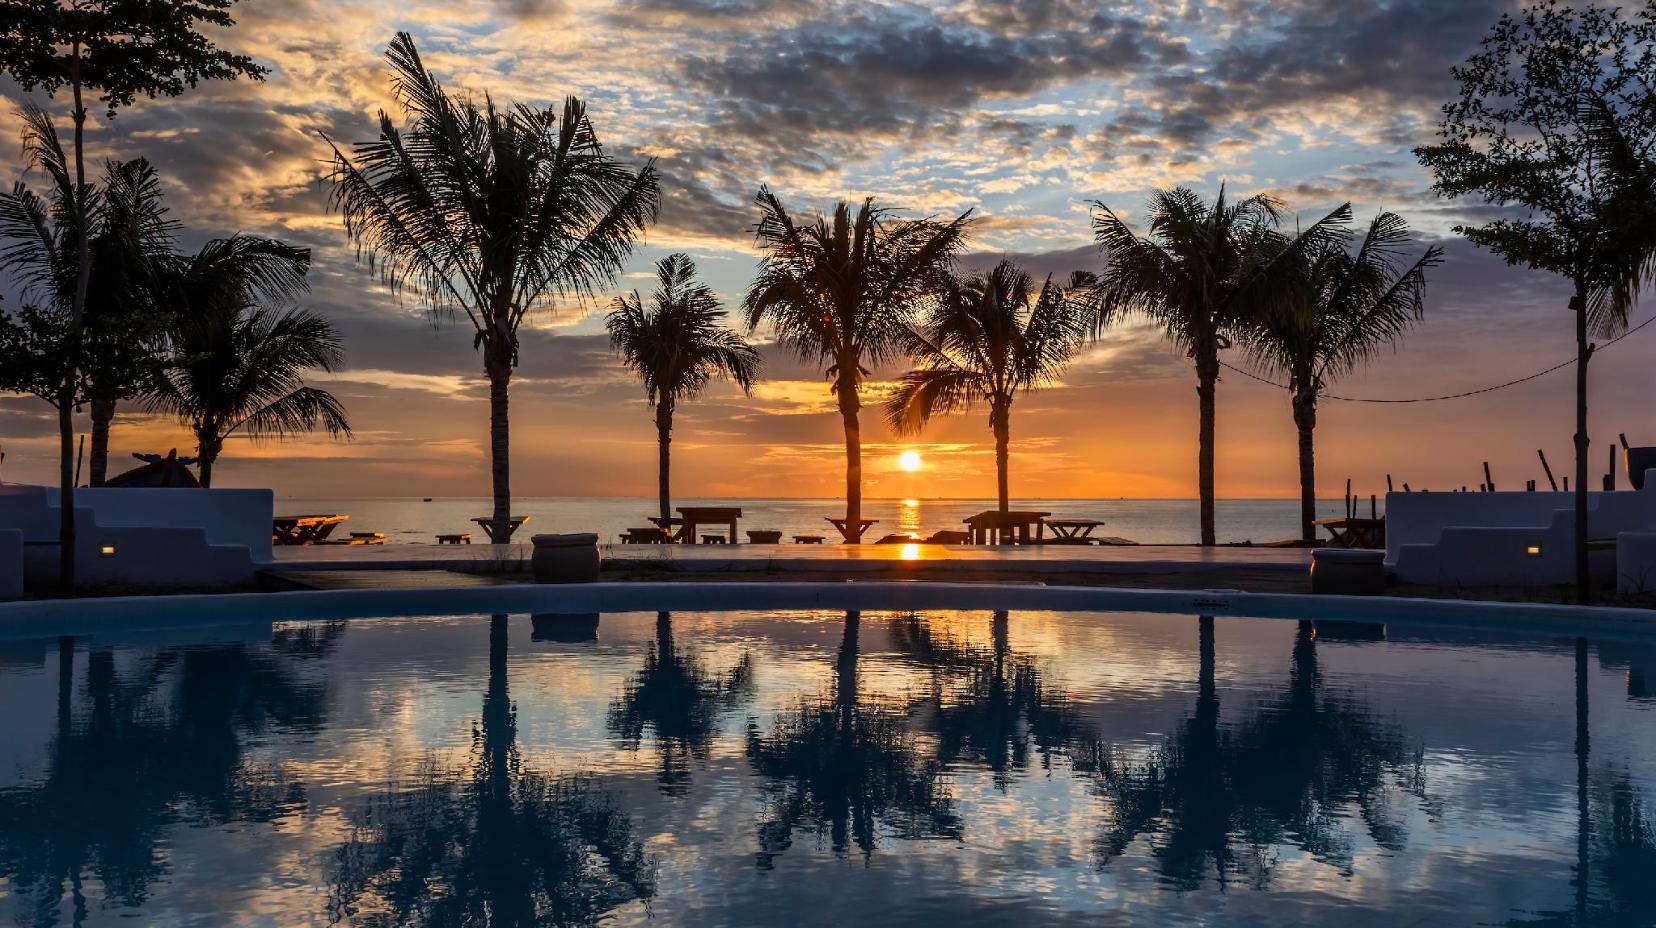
[1135, 559]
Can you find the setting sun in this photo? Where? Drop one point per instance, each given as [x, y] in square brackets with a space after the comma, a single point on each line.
[909, 461]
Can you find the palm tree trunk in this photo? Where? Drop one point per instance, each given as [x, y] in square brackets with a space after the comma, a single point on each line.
[497, 363]
[208, 445]
[1000, 420]
[1584, 353]
[103, 413]
[849, 404]
[1305, 420]
[66, 489]
[1207, 382]
[66, 392]
[664, 440]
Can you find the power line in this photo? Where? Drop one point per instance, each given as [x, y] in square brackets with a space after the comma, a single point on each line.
[1447, 396]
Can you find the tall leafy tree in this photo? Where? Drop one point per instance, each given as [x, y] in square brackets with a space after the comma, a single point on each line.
[842, 290]
[116, 50]
[491, 212]
[1337, 309]
[240, 356]
[1556, 119]
[989, 337]
[676, 345]
[1203, 273]
[129, 244]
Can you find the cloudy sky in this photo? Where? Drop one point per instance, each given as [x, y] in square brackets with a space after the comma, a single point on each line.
[1026, 110]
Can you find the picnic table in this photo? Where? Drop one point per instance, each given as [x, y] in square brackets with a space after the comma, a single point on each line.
[1018, 526]
[1355, 533]
[303, 530]
[487, 524]
[848, 534]
[694, 517]
[1072, 531]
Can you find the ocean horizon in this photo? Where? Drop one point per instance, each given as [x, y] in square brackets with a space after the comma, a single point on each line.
[1146, 521]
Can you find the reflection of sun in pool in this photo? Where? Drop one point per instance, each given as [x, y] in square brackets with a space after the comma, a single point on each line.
[909, 461]
[911, 552]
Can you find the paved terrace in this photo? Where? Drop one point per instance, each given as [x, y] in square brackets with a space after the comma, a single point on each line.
[816, 559]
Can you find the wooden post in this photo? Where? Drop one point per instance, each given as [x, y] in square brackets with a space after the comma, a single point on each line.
[1610, 475]
[1623, 437]
[1348, 498]
[1388, 483]
[1374, 510]
[79, 456]
[1566, 483]
[1548, 469]
[1489, 481]
[1406, 488]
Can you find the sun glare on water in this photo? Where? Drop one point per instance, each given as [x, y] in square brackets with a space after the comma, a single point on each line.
[909, 461]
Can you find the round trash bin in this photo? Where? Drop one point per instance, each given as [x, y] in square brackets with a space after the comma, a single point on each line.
[565, 558]
[1348, 571]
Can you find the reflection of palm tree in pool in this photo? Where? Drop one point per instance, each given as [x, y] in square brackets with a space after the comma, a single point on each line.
[1615, 837]
[680, 702]
[494, 842]
[161, 745]
[1004, 708]
[844, 766]
[1284, 775]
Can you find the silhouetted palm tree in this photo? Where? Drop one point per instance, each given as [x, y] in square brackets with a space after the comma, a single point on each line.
[679, 701]
[1335, 311]
[491, 843]
[842, 765]
[1203, 274]
[842, 291]
[676, 346]
[239, 365]
[989, 337]
[129, 245]
[492, 213]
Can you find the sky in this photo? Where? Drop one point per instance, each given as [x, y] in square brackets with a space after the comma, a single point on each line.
[1026, 111]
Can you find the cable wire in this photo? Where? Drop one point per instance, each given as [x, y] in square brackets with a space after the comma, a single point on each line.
[1447, 396]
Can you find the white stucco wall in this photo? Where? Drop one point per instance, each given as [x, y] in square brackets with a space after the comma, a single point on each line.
[229, 517]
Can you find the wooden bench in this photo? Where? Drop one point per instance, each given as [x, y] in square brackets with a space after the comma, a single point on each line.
[457, 538]
[808, 539]
[764, 537]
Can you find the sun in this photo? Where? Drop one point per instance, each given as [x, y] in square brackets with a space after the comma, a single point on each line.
[909, 461]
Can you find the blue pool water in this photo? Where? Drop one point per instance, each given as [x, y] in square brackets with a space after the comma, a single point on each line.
[965, 768]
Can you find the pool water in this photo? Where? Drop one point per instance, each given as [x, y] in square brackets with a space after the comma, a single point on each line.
[965, 768]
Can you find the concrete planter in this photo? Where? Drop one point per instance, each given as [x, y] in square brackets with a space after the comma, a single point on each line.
[565, 558]
[1348, 571]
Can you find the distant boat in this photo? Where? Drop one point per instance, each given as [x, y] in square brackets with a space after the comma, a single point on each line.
[428, 499]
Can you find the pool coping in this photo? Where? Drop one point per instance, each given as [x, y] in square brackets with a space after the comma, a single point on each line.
[123, 614]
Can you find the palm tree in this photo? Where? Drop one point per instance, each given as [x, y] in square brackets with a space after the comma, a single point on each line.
[842, 291]
[989, 337]
[129, 241]
[491, 212]
[1339, 308]
[1202, 273]
[239, 363]
[676, 346]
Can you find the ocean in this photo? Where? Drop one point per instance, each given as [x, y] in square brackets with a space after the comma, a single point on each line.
[1146, 521]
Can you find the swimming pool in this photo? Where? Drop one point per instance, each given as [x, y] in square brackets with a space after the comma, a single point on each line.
[794, 766]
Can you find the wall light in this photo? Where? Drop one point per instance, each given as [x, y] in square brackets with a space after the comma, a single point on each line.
[1533, 551]
[106, 550]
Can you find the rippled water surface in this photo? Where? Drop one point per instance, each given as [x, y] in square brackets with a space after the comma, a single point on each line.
[822, 768]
